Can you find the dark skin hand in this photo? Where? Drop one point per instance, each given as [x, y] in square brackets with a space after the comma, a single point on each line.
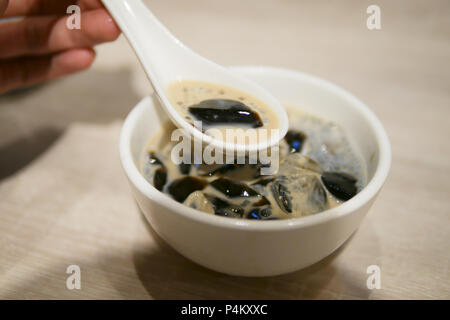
[40, 47]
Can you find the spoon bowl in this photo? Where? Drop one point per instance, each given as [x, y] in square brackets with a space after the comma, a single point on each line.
[166, 60]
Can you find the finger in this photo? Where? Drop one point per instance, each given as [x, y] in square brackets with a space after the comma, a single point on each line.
[90, 4]
[43, 35]
[19, 72]
[3, 6]
[18, 8]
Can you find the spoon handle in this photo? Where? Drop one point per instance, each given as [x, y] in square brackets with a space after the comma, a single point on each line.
[153, 44]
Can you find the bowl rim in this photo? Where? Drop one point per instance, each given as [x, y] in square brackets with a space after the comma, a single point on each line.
[346, 208]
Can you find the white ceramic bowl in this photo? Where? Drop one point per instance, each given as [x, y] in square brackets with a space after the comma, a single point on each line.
[262, 248]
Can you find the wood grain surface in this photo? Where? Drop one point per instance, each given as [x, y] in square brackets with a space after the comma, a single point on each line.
[64, 199]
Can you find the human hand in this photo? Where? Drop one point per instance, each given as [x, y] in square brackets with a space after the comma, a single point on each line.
[40, 47]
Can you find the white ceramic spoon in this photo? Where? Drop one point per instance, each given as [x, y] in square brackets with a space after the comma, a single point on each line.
[166, 60]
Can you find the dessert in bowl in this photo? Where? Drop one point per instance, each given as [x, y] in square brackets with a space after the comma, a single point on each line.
[249, 246]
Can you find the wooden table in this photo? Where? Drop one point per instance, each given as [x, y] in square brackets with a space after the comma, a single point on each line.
[65, 201]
